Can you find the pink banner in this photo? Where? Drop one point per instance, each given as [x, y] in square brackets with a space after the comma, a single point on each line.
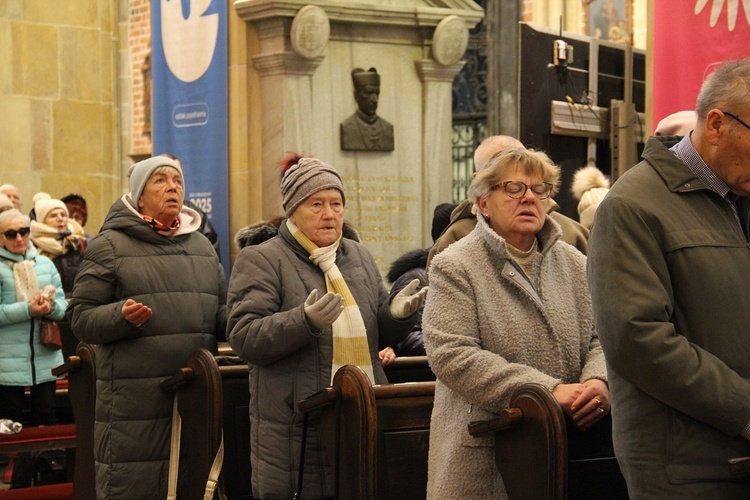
[690, 38]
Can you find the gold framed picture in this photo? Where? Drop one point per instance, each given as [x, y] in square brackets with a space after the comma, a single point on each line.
[610, 20]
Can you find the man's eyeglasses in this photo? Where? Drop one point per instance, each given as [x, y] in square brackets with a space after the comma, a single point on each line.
[517, 189]
[11, 233]
[740, 121]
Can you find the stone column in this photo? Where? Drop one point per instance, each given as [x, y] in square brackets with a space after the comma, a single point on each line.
[437, 122]
[287, 103]
[287, 115]
[502, 66]
[449, 42]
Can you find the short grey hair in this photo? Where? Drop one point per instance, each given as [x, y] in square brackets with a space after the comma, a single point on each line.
[727, 88]
[13, 214]
[492, 145]
[530, 161]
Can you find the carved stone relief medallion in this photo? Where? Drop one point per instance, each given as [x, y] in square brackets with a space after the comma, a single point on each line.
[450, 40]
[310, 31]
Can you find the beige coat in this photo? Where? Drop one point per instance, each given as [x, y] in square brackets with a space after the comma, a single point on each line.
[488, 331]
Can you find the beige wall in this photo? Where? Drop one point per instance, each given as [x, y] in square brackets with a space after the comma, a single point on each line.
[59, 130]
[71, 100]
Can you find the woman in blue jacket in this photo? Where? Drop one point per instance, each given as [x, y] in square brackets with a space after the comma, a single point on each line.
[30, 288]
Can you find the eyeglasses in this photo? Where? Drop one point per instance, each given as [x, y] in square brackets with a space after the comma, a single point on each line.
[12, 233]
[517, 189]
[740, 121]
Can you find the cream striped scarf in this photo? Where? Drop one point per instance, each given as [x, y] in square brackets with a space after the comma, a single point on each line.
[350, 345]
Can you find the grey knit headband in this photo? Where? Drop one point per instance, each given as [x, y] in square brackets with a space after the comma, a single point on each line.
[306, 178]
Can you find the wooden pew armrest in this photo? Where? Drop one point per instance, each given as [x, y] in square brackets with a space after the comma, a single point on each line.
[739, 466]
[183, 376]
[509, 418]
[318, 400]
[70, 366]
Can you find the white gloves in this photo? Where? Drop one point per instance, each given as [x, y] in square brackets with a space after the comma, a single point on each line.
[322, 313]
[406, 302]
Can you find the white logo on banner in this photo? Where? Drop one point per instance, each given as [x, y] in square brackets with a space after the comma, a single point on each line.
[733, 9]
[188, 43]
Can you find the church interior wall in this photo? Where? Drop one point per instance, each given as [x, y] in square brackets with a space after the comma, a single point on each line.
[76, 94]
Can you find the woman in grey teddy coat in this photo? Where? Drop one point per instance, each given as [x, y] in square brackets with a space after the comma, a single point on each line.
[507, 305]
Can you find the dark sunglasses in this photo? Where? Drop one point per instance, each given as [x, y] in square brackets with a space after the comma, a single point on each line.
[11, 233]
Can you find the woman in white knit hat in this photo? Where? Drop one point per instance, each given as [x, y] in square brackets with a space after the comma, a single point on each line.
[294, 301]
[590, 186]
[58, 237]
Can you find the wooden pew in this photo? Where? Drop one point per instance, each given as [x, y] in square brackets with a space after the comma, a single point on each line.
[541, 456]
[81, 374]
[236, 421]
[377, 437]
[409, 369]
[198, 386]
[236, 410]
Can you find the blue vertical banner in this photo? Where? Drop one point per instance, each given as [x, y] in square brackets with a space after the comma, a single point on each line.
[190, 103]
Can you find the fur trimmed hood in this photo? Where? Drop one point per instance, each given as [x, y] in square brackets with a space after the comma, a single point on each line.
[257, 233]
[413, 259]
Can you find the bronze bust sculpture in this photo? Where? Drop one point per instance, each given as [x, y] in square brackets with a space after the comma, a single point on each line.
[365, 130]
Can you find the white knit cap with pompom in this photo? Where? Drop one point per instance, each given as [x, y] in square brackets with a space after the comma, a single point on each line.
[590, 186]
[41, 195]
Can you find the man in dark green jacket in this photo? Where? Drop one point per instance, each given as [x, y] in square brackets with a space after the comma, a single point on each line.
[669, 273]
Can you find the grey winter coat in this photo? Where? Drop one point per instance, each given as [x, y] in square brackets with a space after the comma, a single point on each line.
[488, 331]
[287, 360]
[669, 269]
[181, 279]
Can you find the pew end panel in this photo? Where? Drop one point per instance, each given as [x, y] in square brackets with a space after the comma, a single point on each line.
[530, 454]
[80, 371]
[377, 437]
[348, 430]
[404, 412]
[200, 401]
[237, 469]
[541, 455]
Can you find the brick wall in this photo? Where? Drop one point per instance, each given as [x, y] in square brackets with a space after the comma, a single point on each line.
[139, 41]
[527, 11]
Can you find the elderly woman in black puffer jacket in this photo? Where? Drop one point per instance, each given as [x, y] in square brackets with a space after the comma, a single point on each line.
[150, 291]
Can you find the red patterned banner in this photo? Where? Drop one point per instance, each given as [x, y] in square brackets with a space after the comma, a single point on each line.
[690, 37]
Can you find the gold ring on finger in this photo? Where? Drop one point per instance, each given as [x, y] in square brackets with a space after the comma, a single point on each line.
[598, 402]
[601, 410]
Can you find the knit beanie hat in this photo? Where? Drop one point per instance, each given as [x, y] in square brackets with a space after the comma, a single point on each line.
[141, 171]
[589, 188]
[41, 195]
[43, 207]
[441, 217]
[305, 178]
